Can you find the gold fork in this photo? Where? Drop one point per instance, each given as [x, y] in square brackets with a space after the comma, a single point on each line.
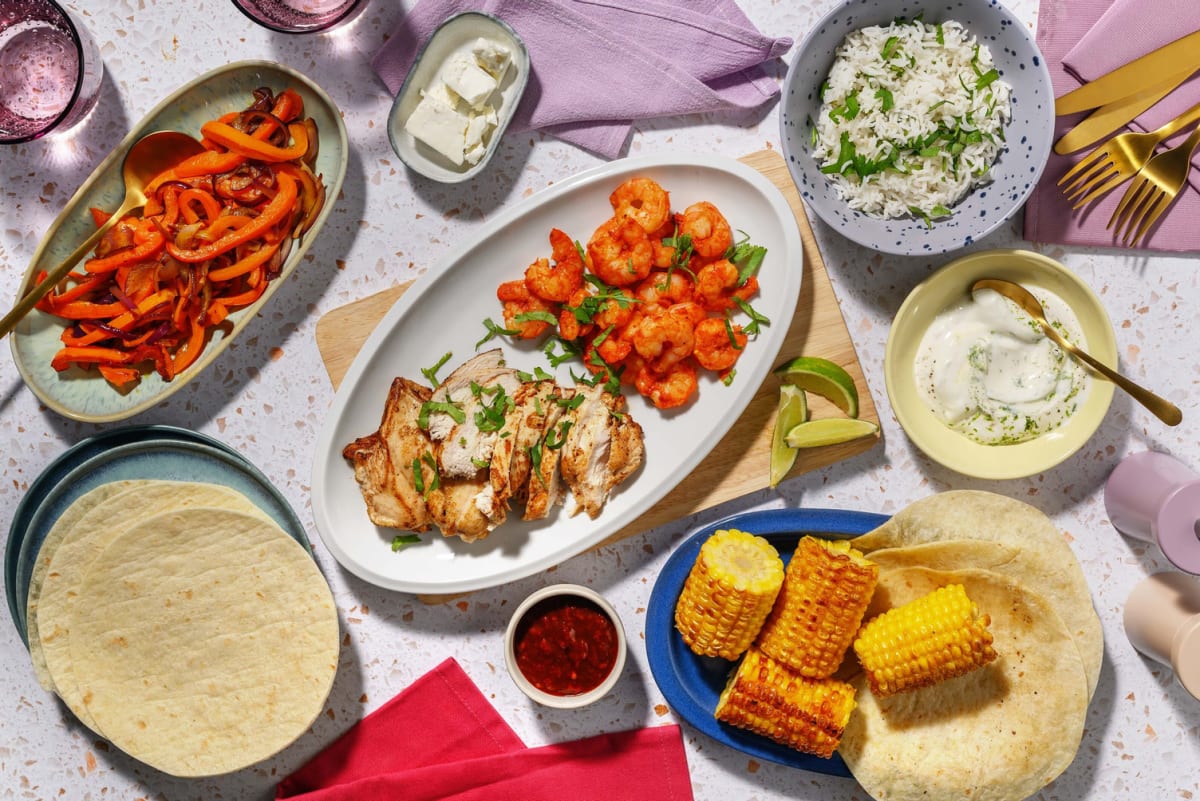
[1119, 159]
[1156, 187]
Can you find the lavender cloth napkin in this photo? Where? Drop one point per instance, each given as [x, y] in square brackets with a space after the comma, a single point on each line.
[1065, 28]
[597, 65]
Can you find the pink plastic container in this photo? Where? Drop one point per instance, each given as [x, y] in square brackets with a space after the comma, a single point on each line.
[1162, 621]
[1151, 496]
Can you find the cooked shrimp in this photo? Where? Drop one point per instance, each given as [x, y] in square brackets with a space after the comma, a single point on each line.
[666, 287]
[556, 282]
[620, 252]
[519, 303]
[570, 327]
[614, 312]
[717, 286]
[664, 339]
[670, 390]
[708, 229]
[643, 201]
[719, 343]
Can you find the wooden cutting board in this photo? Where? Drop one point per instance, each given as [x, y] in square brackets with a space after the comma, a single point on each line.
[740, 463]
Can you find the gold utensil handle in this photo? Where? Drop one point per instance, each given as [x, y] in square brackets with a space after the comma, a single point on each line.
[1161, 408]
[1179, 123]
[38, 291]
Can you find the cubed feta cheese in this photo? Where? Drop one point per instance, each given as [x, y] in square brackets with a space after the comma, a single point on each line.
[468, 81]
[492, 57]
[436, 122]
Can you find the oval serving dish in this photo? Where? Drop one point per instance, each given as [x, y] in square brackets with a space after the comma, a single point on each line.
[692, 684]
[85, 395]
[451, 36]
[445, 312]
[950, 286]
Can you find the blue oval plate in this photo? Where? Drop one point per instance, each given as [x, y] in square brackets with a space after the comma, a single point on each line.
[132, 456]
[692, 684]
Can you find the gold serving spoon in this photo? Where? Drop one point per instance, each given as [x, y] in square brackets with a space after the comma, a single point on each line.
[149, 156]
[1163, 409]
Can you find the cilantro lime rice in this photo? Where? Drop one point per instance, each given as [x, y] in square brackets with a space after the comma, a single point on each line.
[912, 118]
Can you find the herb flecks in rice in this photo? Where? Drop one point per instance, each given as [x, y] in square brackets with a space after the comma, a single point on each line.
[912, 119]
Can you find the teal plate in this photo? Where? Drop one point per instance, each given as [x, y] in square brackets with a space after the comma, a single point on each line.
[152, 458]
[83, 394]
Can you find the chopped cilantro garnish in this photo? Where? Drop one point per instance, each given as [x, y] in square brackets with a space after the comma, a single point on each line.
[430, 373]
[400, 540]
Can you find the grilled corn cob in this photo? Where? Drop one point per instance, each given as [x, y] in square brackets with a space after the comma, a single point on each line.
[825, 593]
[728, 593]
[930, 639]
[764, 697]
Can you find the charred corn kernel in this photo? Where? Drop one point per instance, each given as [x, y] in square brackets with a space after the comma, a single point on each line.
[825, 593]
[930, 639]
[764, 697]
[728, 593]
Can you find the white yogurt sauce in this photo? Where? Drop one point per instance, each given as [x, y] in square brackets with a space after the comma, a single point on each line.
[986, 369]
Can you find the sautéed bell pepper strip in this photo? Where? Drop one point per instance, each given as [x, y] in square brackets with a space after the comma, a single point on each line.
[169, 273]
[251, 147]
[272, 214]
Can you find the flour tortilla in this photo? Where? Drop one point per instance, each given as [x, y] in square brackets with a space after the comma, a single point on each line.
[999, 733]
[208, 640]
[1043, 562]
[86, 537]
[41, 566]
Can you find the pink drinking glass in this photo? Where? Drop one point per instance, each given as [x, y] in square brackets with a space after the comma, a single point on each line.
[299, 16]
[50, 70]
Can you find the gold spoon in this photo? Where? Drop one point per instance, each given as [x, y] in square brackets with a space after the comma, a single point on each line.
[1163, 409]
[148, 157]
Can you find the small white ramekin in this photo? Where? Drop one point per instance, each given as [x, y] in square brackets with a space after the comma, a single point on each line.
[563, 701]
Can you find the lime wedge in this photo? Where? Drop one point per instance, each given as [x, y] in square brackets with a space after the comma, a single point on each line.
[828, 431]
[825, 378]
[793, 410]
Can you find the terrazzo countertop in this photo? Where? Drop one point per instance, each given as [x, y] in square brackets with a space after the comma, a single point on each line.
[268, 395]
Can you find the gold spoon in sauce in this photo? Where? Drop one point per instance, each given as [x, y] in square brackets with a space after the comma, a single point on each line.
[149, 156]
[1163, 409]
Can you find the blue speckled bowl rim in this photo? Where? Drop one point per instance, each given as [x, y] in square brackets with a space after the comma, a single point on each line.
[690, 683]
[919, 246]
[74, 483]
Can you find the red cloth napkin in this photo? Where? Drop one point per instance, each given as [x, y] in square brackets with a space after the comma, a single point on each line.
[598, 64]
[1080, 29]
[440, 740]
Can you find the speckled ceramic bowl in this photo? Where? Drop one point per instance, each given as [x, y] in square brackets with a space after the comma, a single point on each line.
[947, 288]
[1029, 134]
[566, 593]
[84, 395]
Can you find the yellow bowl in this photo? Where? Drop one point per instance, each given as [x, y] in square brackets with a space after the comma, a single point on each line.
[950, 286]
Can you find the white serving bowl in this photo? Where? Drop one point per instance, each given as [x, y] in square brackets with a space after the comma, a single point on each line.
[950, 286]
[563, 591]
[449, 37]
[1028, 135]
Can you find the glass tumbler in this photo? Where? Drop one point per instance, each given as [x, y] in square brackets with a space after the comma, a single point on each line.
[299, 16]
[50, 70]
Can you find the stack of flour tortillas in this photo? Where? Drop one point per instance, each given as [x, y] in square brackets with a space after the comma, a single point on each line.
[1002, 732]
[181, 623]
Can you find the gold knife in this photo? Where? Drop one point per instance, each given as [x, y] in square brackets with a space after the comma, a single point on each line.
[1135, 76]
[1109, 118]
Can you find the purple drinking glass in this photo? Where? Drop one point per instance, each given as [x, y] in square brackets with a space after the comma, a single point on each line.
[299, 16]
[50, 70]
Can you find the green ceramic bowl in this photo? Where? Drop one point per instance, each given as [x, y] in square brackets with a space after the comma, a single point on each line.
[84, 395]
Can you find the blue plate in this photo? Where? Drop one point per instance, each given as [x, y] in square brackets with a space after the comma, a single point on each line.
[67, 461]
[692, 684]
[156, 452]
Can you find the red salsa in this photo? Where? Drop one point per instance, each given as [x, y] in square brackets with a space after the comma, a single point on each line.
[565, 645]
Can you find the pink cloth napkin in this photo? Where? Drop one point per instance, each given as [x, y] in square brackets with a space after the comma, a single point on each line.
[440, 740]
[597, 65]
[1082, 40]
